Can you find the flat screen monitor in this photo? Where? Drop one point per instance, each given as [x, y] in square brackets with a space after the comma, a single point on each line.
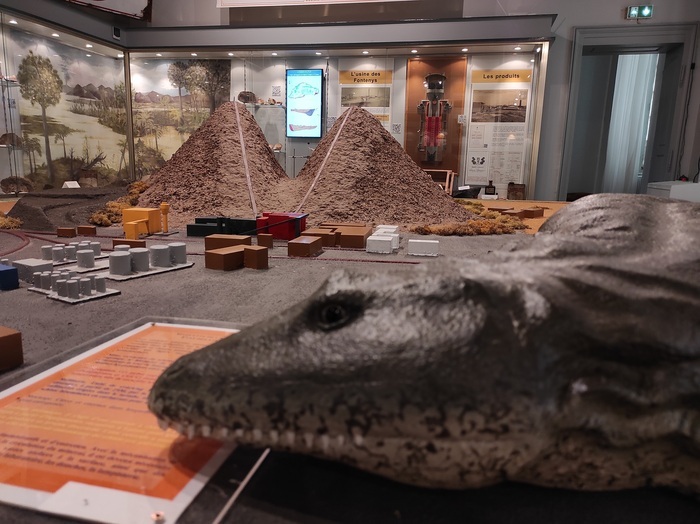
[304, 102]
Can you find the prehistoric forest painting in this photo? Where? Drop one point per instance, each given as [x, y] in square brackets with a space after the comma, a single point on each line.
[72, 113]
[171, 99]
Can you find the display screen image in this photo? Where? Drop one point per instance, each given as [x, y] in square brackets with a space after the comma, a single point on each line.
[304, 102]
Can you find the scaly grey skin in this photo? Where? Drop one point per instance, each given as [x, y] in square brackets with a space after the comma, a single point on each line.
[571, 362]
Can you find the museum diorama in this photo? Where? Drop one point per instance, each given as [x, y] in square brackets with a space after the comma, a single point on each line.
[287, 282]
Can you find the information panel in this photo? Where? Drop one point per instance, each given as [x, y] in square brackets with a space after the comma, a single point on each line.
[79, 441]
[304, 102]
[498, 127]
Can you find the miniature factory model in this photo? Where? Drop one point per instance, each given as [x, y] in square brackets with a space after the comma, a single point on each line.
[432, 135]
[568, 362]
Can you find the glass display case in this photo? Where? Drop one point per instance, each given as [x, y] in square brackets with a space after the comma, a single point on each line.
[465, 113]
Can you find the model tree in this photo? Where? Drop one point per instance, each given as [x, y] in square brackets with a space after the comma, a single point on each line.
[40, 84]
[177, 74]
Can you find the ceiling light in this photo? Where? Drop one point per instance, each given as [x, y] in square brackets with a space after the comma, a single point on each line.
[193, 54]
[55, 35]
[88, 46]
[158, 54]
[88, 55]
[532, 60]
[13, 22]
[365, 52]
[120, 55]
[318, 53]
[517, 48]
[464, 50]
[414, 50]
[230, 54]
[274, 53]
[538, 50]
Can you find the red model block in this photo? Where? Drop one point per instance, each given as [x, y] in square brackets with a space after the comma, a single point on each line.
[328, 236]
[128, 242]
[220, 241]
[66, 232]
[517, 213]
[285, 226]
[11, 355]
[88, 231]
[255, 257]
[354, 237]
[304, 247]
[533, 212]
[342, 224]
[266, 240]
[224, 259]
[500, 210]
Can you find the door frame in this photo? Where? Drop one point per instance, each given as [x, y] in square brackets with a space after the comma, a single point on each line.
[643, 36]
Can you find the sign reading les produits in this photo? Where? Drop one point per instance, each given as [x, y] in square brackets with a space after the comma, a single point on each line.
[268, 3]
[304, 102]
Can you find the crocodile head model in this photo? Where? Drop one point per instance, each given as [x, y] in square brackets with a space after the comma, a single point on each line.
[570, 362]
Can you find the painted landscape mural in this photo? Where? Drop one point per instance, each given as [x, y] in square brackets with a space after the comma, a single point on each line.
[71, 107]
[67, 112]
[171, 99]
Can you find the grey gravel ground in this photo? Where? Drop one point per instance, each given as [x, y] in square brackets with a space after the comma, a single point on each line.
[292, 489]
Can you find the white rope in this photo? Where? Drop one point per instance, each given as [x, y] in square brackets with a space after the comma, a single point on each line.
[323, 164]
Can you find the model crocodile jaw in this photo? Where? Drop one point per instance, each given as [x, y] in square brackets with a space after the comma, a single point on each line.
[466, 373]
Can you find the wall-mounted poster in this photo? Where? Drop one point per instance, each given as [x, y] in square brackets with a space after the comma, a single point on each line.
[304, 102]
[497, 129]
[133, 8]
[367, 87]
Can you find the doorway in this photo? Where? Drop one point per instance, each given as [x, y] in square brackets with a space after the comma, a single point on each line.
[627, 107]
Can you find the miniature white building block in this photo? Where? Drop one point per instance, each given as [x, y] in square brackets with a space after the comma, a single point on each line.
[395, 238]
[70, 184]
[27, 267]
[378, 244]
[426, 248]
[387, 228]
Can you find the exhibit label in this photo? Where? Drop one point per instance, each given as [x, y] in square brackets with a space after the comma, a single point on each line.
[498, 76]
[380, 76]
[78, 440]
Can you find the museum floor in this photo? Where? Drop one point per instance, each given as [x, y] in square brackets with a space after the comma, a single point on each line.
[288, 488]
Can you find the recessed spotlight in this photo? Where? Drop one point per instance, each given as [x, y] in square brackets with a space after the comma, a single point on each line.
[89, 46]
[274, 53]
[414, 50]
[193, 54]
[230, 54]
[538, 50]
[365, 52]
[532, 60]
[55, 35]
[13, 22]
[318, 53]
[517, 48]
[120, 55]
[88, 55]
[464, 50]
[158, 54]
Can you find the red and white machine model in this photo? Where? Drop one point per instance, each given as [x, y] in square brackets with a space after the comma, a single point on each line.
[432, 135]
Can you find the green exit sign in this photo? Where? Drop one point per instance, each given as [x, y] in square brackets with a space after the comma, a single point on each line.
[635, 12]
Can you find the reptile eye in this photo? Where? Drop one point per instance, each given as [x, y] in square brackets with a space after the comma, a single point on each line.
[333, 316]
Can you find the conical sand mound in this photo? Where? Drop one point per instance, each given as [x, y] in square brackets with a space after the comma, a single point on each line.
[207, 175]
[368, 177]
